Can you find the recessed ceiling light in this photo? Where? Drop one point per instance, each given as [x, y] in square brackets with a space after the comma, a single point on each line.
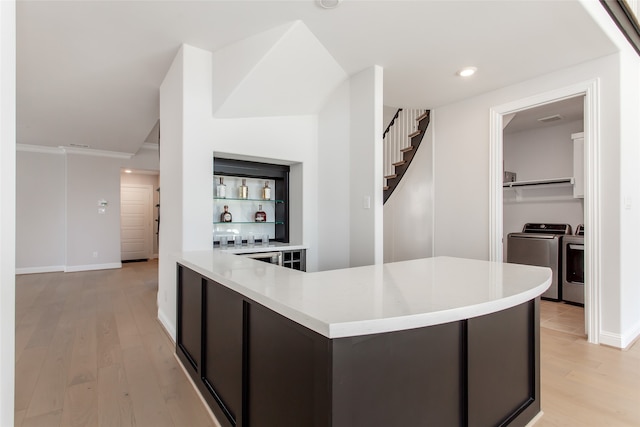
[127, 171]
[467, 71]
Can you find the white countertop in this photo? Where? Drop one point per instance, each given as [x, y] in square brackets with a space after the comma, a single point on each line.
[378, 298]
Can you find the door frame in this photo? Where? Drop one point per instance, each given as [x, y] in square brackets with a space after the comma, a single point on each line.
[591, 92]
[149, 237]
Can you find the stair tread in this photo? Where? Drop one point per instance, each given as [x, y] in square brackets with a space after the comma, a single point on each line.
[416, 133]
[400, 163]
[406, 150]
[391, 176]
[385, 188]
[423, 115]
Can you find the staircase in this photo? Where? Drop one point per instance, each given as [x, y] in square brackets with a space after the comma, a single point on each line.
[401, 140]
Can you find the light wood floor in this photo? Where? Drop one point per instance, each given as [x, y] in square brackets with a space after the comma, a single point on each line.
[89, 351]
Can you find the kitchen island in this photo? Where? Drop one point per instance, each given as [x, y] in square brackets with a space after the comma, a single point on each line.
[439, 341]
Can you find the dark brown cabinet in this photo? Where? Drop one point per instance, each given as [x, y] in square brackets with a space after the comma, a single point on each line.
[255, 367]
[504, 379]
[288, 381]
[189, 324]
[222, 342]
[209, 342]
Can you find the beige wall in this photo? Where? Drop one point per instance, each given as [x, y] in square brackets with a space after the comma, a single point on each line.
[58, 226]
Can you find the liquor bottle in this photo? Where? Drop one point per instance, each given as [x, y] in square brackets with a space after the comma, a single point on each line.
[266, 191]
[261, 216]
[226, 215]
[221, 189]
[243, 190]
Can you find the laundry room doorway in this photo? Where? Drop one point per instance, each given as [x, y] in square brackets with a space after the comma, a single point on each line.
[548, 189]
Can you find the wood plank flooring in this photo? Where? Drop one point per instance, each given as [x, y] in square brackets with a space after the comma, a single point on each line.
[90, 352]
[585, 384]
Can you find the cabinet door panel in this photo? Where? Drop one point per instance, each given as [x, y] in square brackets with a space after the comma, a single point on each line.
[190, 315]
[288, 373]
[222, 367]
[403, 378]
[502, 364]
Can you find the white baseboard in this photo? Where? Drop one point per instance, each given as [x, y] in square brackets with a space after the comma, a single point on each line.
[621, 341]
[45, 269]
[89, 267]
[610, 339]
[67, 269]
[631, 336]
[167, 324]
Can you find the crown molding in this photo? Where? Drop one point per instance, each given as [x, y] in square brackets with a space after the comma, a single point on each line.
[97, 153]
[150, 146]
[39, 149]
[72, 150]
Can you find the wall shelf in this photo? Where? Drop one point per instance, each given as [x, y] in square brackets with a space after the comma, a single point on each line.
[243, 210]
[249, 222]
[568, 181]
[249, 200]
[539, 190]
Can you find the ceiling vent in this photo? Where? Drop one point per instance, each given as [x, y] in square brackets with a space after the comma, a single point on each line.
[550, 119]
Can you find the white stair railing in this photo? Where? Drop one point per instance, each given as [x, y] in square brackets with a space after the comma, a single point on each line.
[397, 139]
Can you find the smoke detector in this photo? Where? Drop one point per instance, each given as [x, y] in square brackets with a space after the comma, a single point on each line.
[329, 4]
[550, 119]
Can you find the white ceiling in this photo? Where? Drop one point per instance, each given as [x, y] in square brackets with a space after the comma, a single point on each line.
[88, 72]
[569, 110]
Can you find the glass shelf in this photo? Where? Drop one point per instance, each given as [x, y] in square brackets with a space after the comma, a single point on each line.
[249, 200]
[250, 222]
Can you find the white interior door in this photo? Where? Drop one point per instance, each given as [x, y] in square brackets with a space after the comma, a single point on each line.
[136, 231]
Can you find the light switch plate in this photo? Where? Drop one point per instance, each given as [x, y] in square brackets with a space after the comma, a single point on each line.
[366, 202]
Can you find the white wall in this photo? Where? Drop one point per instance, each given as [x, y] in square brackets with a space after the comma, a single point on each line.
[192, 134]
[333, 196]
[191, 137]
[408, 213]
[540, 154]
[365, 178]
[462, 184]
[622, 218]
[285, 139]
[171, 105]
[630, 192]
[40, 212]
[7, 208]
